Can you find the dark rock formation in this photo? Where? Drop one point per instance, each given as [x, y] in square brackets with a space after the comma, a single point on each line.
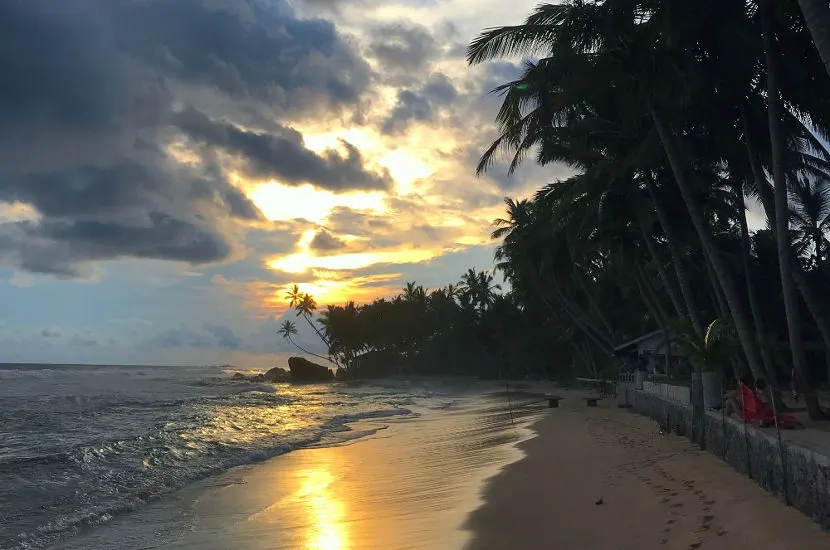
[277, 374]
[303, 370]
[341, 374]
[238, 376]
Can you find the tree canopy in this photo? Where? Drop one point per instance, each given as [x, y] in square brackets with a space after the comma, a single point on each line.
[674, 116]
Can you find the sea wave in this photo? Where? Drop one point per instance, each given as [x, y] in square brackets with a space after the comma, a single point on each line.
[165, 467]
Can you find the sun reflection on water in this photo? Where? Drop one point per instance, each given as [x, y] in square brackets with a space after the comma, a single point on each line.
[326, 513]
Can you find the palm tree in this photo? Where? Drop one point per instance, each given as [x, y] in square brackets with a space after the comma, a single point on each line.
[782, 208]
[810, 221]
[479, 288]
[589, 44]
[288, 330]
[294, 296]
[305, 305]
[817, 16]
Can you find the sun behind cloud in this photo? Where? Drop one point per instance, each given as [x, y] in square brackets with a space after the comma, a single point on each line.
[282, 202]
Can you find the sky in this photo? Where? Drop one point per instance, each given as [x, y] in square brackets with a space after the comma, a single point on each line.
[168, 168]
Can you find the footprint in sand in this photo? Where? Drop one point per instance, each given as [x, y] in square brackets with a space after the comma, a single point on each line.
[677, 505]
[695, 545]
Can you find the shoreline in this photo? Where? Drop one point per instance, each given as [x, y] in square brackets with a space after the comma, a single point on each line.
[605, 478]
[410, 485]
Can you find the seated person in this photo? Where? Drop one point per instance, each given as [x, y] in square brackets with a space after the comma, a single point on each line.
[732, 402]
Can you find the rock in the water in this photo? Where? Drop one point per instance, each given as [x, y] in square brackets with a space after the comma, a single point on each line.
[303, 370]
[238, 376]
[277, 374]
[258, 378]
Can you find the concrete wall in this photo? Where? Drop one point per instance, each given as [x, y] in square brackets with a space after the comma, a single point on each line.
[753, 452]
[669, 391]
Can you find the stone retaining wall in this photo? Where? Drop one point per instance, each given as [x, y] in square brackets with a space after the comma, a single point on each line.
[754, 452]
[668, 391]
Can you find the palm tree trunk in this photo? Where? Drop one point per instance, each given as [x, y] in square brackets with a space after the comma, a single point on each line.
[315, 329]
[577, 312]
[580, 319]
[805, 286]
[721, 269]
[718, 299]
[812, 301]
[301, 348]
[648, 289]
[817, 16]
[588, 359]
[604, 345]
[592, 303]
[649, 305]
[782, 230]
[677, 259]
[754, 307]
[661, 273]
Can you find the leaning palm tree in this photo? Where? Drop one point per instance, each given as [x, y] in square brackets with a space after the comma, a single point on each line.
[288, 329]
[606, 57]
[305, 305]
[817, 16]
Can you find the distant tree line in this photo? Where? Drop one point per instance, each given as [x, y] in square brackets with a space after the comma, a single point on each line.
[469, 328]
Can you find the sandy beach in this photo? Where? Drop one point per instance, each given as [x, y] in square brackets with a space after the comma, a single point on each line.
[474, 477]
[654, 491]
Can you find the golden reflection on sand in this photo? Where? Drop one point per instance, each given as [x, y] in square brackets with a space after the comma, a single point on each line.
[327, 529]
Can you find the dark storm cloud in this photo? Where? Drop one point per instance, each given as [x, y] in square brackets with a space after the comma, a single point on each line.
[283, 155]
[324, 240]
[87, 109]
[64, 248]
[258, 49]
[403, 47]
[421, 105]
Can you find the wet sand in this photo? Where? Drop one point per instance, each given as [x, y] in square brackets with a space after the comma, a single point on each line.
[654, 491]
[410, 486]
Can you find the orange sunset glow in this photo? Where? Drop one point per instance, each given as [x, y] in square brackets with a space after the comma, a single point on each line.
[337, 153]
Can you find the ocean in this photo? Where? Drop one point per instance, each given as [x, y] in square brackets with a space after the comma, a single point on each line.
[81, 446]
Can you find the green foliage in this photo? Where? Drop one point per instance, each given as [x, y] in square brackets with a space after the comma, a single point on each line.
[468, 328]
[661, 110]
[717, 347]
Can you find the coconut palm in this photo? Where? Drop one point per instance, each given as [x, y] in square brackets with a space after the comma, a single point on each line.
[810, 221]
[294, 296]
[601, 42]
[288, 329]
[817, 17]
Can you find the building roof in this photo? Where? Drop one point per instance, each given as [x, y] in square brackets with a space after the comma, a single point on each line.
[636, 341]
